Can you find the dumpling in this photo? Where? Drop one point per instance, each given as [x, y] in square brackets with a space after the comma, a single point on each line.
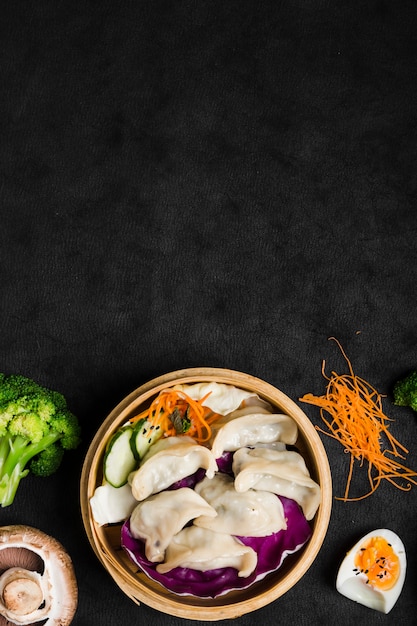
[221, 398]
[249, 429]
[274, 445]
[202, 549]
[161, 516]
[246, 514]
[164, 443]
[282, 472]
[250, 406]
[169, 464]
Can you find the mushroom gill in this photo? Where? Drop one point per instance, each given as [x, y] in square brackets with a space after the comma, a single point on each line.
[21, 557]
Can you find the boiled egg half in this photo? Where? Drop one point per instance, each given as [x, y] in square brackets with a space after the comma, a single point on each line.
[373, 571]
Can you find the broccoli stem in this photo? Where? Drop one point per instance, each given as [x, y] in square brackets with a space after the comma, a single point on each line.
[9, 485]
[15, 454]
[4, 450]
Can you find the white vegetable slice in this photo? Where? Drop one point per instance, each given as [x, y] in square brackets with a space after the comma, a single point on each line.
[110, 505]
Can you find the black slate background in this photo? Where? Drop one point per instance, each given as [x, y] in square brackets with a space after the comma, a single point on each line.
[220, 184]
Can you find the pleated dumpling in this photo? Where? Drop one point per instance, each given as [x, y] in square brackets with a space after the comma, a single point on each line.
[202, 549]
[173, 459]
[219, 397]
[246, 514]
[161, 516]
[252, 426]
[282, 472]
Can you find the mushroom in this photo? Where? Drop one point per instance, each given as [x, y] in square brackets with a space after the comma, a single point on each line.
[37, 579]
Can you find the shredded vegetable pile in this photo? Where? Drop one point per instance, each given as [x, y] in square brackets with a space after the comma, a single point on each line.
[358, 422]
[176, 413]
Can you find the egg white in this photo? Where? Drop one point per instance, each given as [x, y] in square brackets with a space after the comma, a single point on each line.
[354, 586]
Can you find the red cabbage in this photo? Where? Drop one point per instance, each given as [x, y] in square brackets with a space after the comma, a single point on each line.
[224, 464]
[271, 551]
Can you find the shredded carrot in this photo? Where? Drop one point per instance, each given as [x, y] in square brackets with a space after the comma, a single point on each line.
[358, 422]
[170, 403]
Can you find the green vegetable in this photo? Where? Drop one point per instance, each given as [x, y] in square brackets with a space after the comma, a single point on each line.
[36, 427]
[144, 435]
[180, 421]
[405, 391]
[126, 448]
[119, 459]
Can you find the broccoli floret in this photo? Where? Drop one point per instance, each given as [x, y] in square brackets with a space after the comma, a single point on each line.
[405, 391]
[36, 427]
[47, 461]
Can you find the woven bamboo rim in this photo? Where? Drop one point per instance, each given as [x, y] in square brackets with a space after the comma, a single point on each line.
[105, 540]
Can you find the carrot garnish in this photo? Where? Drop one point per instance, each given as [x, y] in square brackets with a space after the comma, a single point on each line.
[176, 413]
[358, 422]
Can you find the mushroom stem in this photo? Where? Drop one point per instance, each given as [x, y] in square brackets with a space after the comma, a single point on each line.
[22, 595]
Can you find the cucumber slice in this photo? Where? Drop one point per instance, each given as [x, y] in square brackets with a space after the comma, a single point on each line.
[136, 429]
[144, 435]
[119, 459]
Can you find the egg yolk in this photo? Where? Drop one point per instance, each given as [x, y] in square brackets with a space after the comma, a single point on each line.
[378, 561]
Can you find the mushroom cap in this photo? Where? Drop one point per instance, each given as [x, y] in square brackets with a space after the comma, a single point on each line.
[28, 554]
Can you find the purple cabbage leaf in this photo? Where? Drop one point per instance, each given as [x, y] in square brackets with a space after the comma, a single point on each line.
[271, 551]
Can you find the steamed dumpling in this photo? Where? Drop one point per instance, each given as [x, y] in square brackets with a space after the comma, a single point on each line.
[248, 428]
[164, 443]
[161, 516]
[282, 472]
[246, 514]
[202, 549]
[170, 463]
[221, 398]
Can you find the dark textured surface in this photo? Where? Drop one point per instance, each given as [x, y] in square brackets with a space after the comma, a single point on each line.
[210, 183]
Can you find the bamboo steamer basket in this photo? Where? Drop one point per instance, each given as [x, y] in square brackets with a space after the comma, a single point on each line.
[105, 540]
